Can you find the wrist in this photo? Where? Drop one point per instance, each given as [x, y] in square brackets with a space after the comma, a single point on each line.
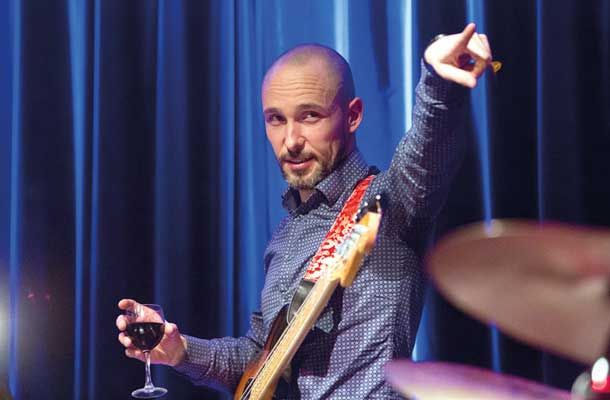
[430, 43]
[180, 353]
[439, 89]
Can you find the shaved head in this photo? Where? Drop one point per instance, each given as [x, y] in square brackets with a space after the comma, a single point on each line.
[311, 114]
[334, 65]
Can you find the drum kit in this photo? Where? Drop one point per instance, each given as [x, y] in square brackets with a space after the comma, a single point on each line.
[545, 284]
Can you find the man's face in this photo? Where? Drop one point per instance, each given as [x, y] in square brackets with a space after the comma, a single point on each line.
[305, 122]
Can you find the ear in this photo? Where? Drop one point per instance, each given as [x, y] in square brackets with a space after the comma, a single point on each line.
[355, 109]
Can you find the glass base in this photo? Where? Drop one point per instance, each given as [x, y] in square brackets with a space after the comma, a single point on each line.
[149, 393]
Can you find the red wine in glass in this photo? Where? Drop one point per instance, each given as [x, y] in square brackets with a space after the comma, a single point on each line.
[145, 335]
[145, 328]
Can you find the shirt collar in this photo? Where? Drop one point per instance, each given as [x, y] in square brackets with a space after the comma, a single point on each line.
[345, 177]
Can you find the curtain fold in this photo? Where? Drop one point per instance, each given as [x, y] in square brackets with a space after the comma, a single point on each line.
[134, 163]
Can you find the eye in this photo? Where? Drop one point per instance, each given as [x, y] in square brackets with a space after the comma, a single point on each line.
[275, 119]
[311, 116]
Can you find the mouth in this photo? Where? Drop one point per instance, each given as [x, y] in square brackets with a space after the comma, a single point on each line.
[298, 164]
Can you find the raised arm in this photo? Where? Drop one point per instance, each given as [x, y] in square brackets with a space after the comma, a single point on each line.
[429, 155]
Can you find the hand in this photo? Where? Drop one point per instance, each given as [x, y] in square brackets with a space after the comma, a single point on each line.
[170, 351]
[460, 58]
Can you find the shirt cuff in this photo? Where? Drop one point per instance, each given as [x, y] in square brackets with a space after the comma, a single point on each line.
[196, 360]
[438, 89]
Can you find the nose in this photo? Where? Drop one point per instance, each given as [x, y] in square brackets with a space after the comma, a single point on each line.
[294, 140]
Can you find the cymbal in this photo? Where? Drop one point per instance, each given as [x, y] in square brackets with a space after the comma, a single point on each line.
[546, 284]
[447, 381]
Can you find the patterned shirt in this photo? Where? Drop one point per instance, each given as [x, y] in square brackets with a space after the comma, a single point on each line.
[375, 319]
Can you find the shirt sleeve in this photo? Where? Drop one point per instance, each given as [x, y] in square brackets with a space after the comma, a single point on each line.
[220, 363]
[429, 154]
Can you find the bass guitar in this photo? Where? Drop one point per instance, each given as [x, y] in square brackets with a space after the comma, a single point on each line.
[260, 380]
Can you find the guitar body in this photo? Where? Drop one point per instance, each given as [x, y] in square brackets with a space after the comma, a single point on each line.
[277, 328]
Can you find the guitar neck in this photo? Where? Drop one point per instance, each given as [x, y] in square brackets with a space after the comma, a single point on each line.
[341, 269]
[293, 336]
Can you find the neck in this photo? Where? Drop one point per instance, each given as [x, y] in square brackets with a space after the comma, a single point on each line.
[304, 194]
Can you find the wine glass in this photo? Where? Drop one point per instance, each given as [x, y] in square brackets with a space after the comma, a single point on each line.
[145, 328]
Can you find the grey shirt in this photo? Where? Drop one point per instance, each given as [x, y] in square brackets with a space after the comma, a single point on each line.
[375, 319]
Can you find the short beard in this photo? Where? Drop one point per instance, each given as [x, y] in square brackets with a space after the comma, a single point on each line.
[309, 179]
[321, 169]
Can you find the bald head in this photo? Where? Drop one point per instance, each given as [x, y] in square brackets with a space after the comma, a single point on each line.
[311, 114]
[335, 67]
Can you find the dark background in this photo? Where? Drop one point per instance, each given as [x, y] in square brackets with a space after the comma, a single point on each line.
[133, 162]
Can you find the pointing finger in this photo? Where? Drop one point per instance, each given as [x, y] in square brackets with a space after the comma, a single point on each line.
[466, 34]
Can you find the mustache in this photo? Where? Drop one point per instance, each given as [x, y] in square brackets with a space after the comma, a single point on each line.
[293, 156]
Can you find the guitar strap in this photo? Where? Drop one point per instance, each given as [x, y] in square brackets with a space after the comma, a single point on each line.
[337, 233]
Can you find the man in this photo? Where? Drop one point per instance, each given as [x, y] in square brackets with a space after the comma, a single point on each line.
[311, 116]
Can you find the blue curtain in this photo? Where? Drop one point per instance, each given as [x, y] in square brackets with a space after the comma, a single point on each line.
[133, 162]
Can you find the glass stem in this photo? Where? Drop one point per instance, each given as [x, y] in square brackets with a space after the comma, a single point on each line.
[148, 384]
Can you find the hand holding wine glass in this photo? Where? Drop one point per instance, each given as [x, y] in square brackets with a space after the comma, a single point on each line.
[147, 337]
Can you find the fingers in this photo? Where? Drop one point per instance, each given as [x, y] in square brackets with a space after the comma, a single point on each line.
[483, 38]
[124, 340]
[481, 44]
[121, 323]
[457, 75]
[462, 57]
[478, 49]
[130, 350]
[126, 304]
[466, 34]
[480, 55]
[170, 329]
